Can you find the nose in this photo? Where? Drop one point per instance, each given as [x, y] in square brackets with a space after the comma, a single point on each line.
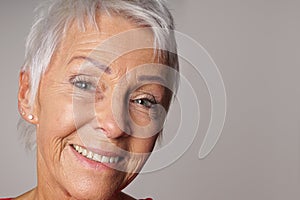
[110, 121]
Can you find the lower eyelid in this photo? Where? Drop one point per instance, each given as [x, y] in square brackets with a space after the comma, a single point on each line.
[141, 109]
[137, 105]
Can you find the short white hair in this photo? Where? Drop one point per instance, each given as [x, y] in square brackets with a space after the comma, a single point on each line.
[54, 18]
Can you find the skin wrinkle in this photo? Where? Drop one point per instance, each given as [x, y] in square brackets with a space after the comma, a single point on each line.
[97, 64]
[58, 109]
[104, 57]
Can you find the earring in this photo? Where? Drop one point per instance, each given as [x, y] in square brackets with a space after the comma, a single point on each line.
[30, 117]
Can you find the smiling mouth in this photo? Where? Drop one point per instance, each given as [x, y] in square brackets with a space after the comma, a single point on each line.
[96, 157]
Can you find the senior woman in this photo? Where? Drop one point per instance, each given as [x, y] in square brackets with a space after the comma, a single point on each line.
[94, 91]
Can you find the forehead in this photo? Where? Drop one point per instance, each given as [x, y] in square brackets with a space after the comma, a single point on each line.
[114, 38]
[117, 43]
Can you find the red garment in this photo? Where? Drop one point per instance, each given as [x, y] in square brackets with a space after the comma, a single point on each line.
[11, 199]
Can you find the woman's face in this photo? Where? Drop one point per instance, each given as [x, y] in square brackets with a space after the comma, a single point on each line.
[95, 125]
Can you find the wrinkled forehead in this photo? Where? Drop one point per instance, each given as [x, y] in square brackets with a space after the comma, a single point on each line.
[115, 43]
[109, 34]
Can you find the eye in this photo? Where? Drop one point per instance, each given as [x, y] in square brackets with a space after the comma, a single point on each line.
[83, 83]
[146, 102]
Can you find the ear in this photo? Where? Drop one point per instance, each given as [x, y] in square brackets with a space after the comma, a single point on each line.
[26, 110]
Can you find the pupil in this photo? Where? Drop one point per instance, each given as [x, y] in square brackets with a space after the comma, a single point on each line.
[82, 85]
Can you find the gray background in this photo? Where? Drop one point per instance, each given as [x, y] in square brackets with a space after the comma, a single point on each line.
[256, 46]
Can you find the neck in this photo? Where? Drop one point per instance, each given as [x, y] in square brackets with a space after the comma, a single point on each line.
[34, 194]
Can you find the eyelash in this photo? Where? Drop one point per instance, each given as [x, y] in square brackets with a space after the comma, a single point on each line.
[147, 101]
[80, 80]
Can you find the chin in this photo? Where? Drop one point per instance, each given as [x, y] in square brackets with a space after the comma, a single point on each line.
[93, 189]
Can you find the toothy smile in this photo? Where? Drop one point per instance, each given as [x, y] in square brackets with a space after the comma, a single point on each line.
[94, 156]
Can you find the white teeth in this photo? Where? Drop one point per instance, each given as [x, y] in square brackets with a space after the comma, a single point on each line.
[96, 157]
[105, 159]
[84, 152]
[90, 154]
[112, 160]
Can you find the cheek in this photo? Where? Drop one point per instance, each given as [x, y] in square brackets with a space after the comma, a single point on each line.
[142, 145]
[56, 117]
[140, 150]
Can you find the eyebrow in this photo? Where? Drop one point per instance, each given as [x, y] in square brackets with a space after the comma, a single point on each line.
[152, 79]
[96, 63]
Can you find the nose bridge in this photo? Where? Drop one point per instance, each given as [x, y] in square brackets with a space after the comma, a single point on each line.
[109, 118]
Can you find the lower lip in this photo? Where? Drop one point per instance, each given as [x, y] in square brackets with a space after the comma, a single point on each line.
[91, 163]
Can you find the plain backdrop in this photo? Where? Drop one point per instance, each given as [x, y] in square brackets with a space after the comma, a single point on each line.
[256, 46]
